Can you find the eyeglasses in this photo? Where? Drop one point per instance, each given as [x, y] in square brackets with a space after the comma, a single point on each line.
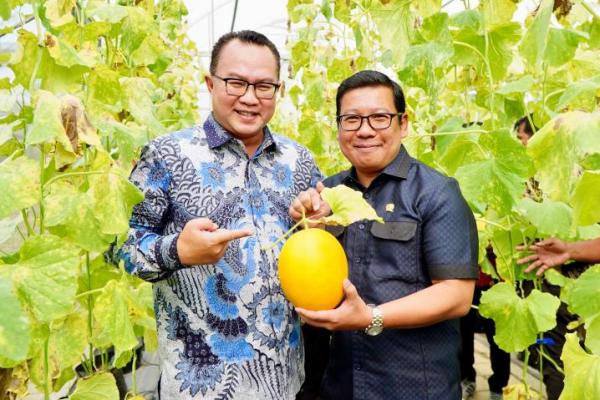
[239, 87]
[377, 121]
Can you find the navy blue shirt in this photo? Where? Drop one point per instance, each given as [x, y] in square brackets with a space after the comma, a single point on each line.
[429, 234]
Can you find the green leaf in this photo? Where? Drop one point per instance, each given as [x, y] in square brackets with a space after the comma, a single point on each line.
[113, 197]
[464, 149]
[151, 49]
[100, 386]
[561, 46]
[8, 227]
[347, 206]
[326, 9]
[72, 215]
[313, 89]
[339, 69]
[58, 12]
[581, 90]
[64, 54]
[556, 278]
[137, 98]
[68, 340]
[111, 310]
[557, 148]
[5, 10]
[397, 35]
[104, 88]
[504, 243]
[584, 300]
[108, 12]
[585, 199]
[520, 85]
[490, 182]
[47, 121]
[518, 321]
[500, 49]
[425, 8]
[497, 12]
[8, 101]
[551, 218]
[20, 183]
[45, 276]
[535, 39]
[582, 371]
[14, 327]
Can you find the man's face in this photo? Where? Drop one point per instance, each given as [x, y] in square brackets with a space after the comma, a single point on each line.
[522, 135]
[243, 116]
[369, 150]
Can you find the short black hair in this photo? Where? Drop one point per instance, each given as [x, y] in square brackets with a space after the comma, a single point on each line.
[245, 36]
[527, 127]
[370, 78]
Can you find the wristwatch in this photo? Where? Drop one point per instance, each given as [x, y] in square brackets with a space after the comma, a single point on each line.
[376, 325]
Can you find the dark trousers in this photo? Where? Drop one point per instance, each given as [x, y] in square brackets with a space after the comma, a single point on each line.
[553, 378]
[316, 357]
[499, 359]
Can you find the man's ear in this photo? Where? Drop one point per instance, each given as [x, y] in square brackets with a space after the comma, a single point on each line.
[404, 125]
[282, 89]
[209, 82]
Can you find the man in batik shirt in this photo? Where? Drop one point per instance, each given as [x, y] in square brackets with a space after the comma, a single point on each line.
[215, 197]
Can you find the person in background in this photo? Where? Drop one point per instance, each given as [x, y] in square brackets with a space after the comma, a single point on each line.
[499, 359]
[216, 196]
[552, 253]
[524, 129]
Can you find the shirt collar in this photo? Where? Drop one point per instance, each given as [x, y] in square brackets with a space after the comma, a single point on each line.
[397, 168]
[217, 136]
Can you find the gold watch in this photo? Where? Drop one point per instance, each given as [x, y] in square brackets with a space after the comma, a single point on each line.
[376, 325]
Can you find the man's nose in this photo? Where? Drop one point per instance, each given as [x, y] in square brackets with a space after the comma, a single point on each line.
[365, 129]
[250, 96]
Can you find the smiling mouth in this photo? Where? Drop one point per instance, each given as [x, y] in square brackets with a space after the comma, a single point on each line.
[366, 146]
[247, 114]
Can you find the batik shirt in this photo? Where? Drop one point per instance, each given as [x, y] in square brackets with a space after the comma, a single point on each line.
[225, 330]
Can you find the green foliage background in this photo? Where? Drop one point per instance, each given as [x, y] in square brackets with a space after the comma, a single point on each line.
[96, 80]
[93, 82]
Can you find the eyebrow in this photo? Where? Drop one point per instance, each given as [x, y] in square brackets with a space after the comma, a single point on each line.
[262, 80]
[375, 111]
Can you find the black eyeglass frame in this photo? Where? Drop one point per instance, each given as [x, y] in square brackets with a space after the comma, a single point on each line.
[274, 85]
[368, 118]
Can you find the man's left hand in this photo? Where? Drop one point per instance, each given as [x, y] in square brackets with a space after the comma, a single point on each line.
[352, 314]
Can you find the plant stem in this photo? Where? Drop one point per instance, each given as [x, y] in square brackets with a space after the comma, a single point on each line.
[90, 310]
[133, 371]
[26, 221]
[38, 25]
[548, 358]
[524, 372]
[282, 237]
[46, 370]
[42, 166]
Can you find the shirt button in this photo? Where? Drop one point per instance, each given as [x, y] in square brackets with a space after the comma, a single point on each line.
[366, 195]
[357, 367]
[361, 226]
[357, 259]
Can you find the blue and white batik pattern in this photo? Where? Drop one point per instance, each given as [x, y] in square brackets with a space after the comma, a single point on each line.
[225, 330]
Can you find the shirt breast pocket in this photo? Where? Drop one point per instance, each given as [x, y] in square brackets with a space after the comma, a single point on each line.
[395, 252]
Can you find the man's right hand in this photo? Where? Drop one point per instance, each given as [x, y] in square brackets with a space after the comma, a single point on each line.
[547, 254]
[202, 242]
[311, 202]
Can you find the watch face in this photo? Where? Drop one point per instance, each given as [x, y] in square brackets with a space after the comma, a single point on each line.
[374, 330]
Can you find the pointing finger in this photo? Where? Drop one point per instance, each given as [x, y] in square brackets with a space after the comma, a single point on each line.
[226, 235]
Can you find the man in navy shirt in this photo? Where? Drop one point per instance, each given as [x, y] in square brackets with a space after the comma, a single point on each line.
[396, 334]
